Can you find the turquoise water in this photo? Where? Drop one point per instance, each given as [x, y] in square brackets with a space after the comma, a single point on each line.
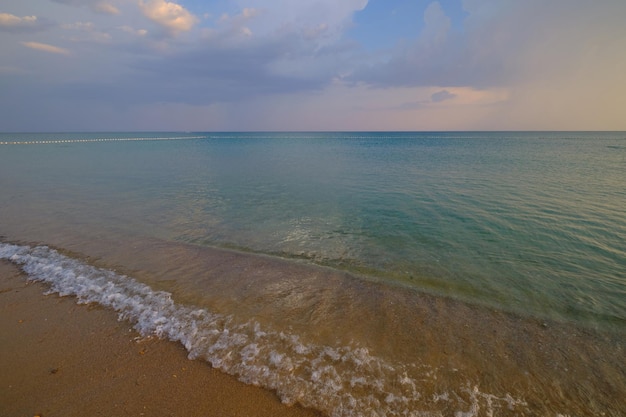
[528, 223]
[515, 220]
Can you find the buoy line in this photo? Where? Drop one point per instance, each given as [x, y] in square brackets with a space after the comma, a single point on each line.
[60, 141]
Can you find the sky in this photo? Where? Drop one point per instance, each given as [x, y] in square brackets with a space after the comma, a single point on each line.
[311, 65]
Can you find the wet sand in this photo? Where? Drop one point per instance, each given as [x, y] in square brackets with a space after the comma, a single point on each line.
[63, 359]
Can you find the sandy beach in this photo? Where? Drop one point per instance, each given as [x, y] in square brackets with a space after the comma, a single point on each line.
[63, 359]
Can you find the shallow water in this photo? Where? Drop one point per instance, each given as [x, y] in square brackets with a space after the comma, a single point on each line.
[450, 274]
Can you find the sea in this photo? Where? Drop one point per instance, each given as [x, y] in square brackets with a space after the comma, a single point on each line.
[356, 273]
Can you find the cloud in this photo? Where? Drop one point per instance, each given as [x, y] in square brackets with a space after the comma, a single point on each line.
[171, 16]
[133, 31]
[235, 26]
[106, 8]
[99, 6]
[10, 70]
[11, 23]
[204, 75]
[81, 26]
[340, 106]
[430, 59]
[436, 26]
[215, 64]
[321, 21]
[9, 20]
[46, 48]
[442, 95]
[490, 64]
[87, 32]
[233, 60]
[503, 43]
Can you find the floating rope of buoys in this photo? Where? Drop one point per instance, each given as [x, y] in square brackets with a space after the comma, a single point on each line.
[61, 141]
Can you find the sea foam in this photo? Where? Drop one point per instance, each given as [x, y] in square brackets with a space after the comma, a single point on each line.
[337, 380]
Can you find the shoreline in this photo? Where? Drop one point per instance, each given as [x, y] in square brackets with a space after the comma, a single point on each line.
[64, 359]
[484, 359]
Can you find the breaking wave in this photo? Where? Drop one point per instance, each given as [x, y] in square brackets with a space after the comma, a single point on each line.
[338, 381]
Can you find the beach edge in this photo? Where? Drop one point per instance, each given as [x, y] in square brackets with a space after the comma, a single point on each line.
[65, 359]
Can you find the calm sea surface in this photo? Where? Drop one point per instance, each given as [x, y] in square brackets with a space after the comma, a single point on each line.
[380, 273]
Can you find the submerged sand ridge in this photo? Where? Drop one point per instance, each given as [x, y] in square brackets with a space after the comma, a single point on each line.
[449, 356]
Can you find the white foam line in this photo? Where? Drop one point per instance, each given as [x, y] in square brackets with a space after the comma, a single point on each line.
[60, 141]
[342, 381]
